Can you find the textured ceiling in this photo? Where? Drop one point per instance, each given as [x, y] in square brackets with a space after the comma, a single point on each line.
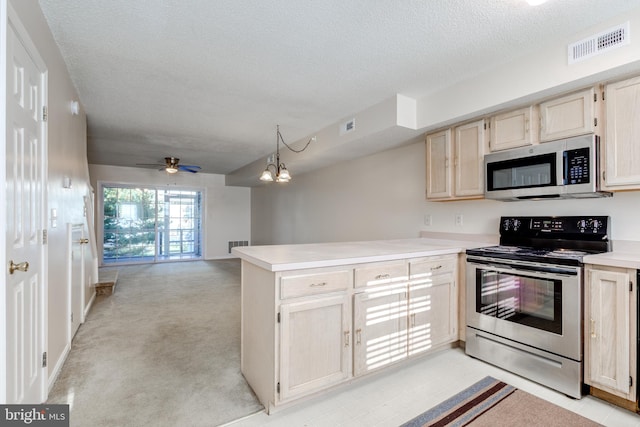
[207, 81]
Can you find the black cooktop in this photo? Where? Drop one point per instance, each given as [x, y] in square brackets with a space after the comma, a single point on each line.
[561, 240]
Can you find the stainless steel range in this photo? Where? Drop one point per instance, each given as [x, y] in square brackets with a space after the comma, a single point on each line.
[525, 297]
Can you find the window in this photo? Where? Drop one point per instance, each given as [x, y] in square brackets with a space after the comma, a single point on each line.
[150, 224]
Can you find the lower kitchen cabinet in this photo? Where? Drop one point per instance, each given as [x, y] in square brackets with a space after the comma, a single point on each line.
[305, 331]
[380, 329]
[433, 303]
[610, 331]
[315, 344]
[396, 320]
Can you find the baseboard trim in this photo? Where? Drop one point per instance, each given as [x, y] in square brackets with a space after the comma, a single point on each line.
[58, 368]
[613, 399]
[89, 305]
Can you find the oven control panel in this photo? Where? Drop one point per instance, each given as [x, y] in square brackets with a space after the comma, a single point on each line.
[556, 226]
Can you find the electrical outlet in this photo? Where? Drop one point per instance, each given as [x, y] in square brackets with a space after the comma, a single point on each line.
[427, 220]
[458, 220]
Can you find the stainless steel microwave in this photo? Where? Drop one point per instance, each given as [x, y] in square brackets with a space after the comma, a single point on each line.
[566, 168]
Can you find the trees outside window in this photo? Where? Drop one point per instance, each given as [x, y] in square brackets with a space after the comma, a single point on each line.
[150, 225]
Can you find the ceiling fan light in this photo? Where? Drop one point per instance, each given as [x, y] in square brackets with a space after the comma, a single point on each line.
[266, 176]
[171, 169]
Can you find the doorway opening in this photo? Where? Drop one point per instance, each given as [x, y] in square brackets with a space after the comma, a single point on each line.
[147, 225]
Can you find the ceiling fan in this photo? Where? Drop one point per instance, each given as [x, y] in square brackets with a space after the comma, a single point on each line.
[172, 166]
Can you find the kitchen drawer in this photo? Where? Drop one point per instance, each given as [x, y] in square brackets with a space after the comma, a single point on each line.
[381, 273]
[433, 266]
[299, 285]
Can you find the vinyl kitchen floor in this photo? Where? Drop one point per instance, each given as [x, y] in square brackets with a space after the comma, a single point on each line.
[394, 397]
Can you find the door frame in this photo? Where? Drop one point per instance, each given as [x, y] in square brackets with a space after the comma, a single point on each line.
[76, 301]
[9, 18]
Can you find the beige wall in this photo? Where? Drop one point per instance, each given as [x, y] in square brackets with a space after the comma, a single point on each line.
[382, 197]
[227, 210]
[66, 157]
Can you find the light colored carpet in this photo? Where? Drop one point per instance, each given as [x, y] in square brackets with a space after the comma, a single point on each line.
[163, 350]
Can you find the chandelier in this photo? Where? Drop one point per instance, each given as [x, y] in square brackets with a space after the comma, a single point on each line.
[279, 169]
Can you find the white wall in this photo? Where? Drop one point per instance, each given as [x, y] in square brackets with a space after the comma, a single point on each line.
[66, 157]
[377, 197]
[382, 197]
[533, 77]
[227, 210]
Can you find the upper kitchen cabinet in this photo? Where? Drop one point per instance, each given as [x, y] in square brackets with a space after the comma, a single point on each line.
[464, 177]
[621, 152]
[513, 129]
[570, 115]
[469, 159]
[438, 147]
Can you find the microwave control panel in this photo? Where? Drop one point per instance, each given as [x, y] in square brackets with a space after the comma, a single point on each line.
[576, 166]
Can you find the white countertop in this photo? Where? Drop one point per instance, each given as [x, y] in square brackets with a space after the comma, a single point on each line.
[314, 255]
[615, 259]
[626, 254]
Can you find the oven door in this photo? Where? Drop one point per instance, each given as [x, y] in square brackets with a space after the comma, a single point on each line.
[539, 305]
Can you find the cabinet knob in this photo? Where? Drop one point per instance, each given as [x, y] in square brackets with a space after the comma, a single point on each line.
[346, 338]
[593, 328]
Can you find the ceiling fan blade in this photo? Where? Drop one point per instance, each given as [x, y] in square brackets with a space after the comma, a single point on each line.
[189, 168]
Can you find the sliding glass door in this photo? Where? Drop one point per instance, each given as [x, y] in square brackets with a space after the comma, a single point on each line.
[150, 224]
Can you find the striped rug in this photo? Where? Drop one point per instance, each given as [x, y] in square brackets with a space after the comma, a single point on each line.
[492, 403]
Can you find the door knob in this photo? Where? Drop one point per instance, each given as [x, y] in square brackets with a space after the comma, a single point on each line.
[83, 241]
[23, 266]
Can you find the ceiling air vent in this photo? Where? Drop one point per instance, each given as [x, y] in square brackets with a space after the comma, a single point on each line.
[599, 43]
[348, 126]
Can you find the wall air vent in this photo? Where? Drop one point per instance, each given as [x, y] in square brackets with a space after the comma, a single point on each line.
[599, 43]
[238, 243]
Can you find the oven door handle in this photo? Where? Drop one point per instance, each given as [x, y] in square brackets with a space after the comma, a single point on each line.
[545, 270]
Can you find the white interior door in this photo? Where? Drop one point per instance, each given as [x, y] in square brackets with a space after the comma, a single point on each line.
[25, 151]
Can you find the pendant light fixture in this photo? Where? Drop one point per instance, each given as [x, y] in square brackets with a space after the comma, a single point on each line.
[279, 169]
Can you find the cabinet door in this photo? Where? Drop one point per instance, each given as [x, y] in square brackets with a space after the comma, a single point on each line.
[568, 116]
[438, 153]
[315, 345]
[511, 129]
[380, 329]
[607, 332]
[433, 303]
[433, 317]
[469, 159]
[622, 150]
